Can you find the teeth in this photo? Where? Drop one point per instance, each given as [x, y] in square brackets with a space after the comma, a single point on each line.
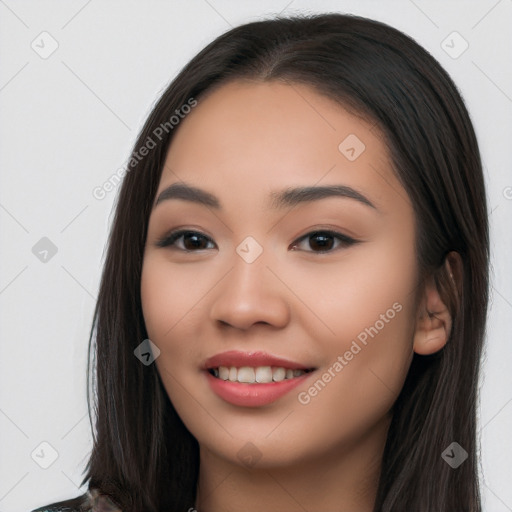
[261, 374]
[278, 374]
[264, 374]
[246, 374]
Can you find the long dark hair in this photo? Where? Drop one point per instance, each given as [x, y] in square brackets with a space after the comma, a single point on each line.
[143, 456]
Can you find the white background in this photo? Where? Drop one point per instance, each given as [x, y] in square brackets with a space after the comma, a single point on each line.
[69, 121]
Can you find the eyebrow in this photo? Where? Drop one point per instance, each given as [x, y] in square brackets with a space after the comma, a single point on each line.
[279, 200]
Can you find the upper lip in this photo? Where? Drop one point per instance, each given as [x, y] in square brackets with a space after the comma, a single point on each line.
[238, 359]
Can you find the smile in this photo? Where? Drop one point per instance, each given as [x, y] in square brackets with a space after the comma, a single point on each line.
[253, 379]
[253, 375]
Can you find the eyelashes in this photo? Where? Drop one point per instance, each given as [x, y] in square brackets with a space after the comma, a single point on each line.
[194, 241]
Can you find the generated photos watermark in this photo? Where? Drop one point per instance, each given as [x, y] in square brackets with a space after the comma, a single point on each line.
[305, 397]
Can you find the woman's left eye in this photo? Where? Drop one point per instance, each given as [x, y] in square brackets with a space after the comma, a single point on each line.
[322, 241]
[325, 241]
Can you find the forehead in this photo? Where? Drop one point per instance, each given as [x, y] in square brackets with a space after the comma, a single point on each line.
[250, 137]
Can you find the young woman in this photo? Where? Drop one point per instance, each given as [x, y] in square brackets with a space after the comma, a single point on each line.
[292, 308]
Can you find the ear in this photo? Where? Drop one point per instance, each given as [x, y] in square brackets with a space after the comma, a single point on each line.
[433, 320]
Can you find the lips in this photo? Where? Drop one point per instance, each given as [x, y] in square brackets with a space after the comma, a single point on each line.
[252, 379]
[238, 359]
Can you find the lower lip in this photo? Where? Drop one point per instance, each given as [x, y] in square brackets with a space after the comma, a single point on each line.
[253, 395]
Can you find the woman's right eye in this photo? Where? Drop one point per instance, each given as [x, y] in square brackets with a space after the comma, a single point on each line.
[191, 241]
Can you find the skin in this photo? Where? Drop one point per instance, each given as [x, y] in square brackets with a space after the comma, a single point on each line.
[243, 141]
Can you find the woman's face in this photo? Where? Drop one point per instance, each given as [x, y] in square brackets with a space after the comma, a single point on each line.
[269, 278]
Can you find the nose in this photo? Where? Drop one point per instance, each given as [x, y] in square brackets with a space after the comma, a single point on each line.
[250, 294]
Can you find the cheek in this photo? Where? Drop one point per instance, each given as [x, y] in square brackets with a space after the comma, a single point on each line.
[355, 390]
[367, 309]
[168, 297]
[363, 288]
[174, 310]
[167, 303]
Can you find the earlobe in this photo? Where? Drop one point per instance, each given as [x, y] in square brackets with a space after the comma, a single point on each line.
[433, 322]
[432, 332]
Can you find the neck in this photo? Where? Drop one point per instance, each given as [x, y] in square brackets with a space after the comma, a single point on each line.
[344, 479]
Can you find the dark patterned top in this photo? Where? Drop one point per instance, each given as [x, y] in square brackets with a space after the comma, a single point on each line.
[91, 501]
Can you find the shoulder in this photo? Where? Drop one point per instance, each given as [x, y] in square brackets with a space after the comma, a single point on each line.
[78, 504]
